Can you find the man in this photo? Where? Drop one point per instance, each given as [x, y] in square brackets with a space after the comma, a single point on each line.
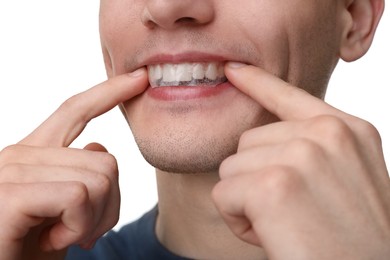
[248, 165]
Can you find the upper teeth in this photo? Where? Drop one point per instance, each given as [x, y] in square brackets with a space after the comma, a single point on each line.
[186, 74]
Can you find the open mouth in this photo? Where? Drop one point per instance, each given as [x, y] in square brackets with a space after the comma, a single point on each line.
[192, 74]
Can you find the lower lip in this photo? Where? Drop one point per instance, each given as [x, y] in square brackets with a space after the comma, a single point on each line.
[177, 93]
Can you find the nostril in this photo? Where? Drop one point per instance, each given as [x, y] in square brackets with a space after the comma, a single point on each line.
[185, 20]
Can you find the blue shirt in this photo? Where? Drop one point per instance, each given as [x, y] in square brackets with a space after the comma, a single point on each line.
[135, 241]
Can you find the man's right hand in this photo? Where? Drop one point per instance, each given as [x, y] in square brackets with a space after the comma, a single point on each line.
[52, 196]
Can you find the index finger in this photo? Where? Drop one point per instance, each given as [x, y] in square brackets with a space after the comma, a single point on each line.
[286, 101]
[69, 120]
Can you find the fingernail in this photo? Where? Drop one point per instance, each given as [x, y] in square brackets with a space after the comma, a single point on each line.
[137, 72]
[235, 64]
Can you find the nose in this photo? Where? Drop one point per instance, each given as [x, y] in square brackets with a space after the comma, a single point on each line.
[170, 14]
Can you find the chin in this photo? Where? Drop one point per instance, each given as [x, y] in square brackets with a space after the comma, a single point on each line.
[192, 136]
[186, 155]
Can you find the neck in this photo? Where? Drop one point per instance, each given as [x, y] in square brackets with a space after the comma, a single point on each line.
[188, 223]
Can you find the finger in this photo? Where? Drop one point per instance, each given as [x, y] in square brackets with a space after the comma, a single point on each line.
[270, 134]
[69, 201]
[104, 217]
[94, 161]
[252, 160]
[73, 227]
[324, 130]
[280, 98]
[231, 197]
[64, 125]
[302, 154]
[99, 185]
[16, 173]
[100, 176]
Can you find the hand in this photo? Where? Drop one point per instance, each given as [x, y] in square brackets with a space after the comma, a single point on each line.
[52, 196]
[312, 186]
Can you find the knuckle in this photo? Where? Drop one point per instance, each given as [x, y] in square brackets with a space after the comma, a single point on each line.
[368, 131]
[77, 194]
[245, 139]
[72, 106]
[70, 103]
[280, 183]
[103, 183]
[331, 129]
[220, 195]
[9, 149]
[109, 165]
[303, 151]
[225, 168]
[7, 154]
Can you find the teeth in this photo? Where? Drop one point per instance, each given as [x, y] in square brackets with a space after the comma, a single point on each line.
[168, 73]
[198, 71]
[156, 71]
[186, 74]
[211, 71]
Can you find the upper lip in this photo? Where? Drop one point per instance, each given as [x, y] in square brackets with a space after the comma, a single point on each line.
[182, 57]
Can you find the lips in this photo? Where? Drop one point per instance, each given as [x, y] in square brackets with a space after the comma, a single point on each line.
[190, 74]
[187, 75]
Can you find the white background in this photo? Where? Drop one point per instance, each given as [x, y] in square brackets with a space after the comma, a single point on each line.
[50, 50]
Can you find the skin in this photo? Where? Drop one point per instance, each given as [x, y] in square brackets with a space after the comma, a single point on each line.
[279, 174]
[154, 125]
[84, 193]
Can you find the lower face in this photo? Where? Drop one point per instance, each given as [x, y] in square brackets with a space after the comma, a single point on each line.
[191, 126]
[193, 130]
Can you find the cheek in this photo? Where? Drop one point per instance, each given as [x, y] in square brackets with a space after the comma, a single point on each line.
[260, 27]
[119, 21]
[314, 44]
[295, 40]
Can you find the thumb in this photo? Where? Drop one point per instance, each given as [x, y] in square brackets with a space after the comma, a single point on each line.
[95, 147]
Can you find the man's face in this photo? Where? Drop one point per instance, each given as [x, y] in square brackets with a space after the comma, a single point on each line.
[193, 128]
